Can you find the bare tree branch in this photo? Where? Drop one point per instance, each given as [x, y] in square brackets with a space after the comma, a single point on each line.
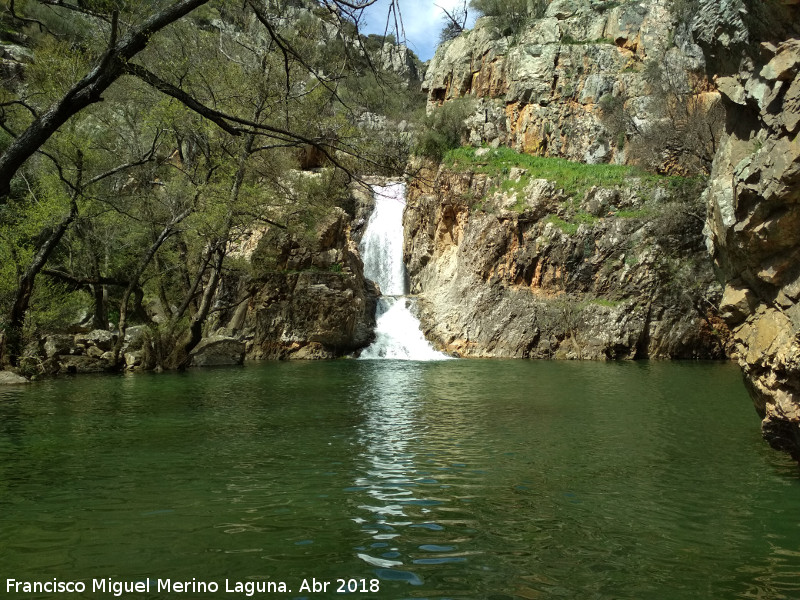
[87, 91]
[84, 281]
[235, 125]
[75, 8]
[42, 26]
[22, 104]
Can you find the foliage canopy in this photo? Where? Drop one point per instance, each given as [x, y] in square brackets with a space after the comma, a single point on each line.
[213, 116]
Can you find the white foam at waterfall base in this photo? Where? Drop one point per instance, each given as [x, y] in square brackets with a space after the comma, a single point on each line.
[397, 331]
[398, 335]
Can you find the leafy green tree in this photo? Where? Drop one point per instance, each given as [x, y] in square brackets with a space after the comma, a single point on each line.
[444, 128]
[144, 194]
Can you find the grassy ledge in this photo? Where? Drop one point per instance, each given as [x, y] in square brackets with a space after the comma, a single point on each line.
[574, 178]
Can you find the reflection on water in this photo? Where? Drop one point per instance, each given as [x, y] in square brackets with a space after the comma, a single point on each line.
[460, 479]
[422, 476]
[389, 473]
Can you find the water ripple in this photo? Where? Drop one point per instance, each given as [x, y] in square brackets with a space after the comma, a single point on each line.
[470, 479]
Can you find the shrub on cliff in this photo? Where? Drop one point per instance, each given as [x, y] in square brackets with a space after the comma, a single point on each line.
[683, 126]
[444, 128]
[511, 15]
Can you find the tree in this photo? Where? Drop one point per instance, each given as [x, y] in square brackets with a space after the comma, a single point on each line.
[683, 125]
[109, 67]
[68, 174]
[116, 61]
[228, 112]
[455, 21]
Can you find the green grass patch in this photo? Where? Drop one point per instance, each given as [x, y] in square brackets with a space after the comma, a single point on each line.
[606, 302]
[566, 227]
[571, 227]
[575, 178]
[632, 214]
[584, 218]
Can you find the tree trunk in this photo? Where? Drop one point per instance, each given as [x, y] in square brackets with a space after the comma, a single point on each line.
[219, 252]
[22, 297]
[97, 289]
[134, 283]
[183, 352]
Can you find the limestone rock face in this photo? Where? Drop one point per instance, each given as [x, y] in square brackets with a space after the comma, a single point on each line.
[720, 23]
[544, 91]
[754, 233]
[510, 277]
[13, 60]
[310, 299]
[398, 59]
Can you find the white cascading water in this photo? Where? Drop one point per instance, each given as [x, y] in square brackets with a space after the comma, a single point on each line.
[397, 331]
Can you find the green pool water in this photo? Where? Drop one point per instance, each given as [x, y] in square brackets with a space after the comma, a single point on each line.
[456, 479]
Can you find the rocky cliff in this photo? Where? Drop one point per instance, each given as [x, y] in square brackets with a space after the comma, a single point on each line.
[307, 295]
[543, 260]
[754, 232]
[583, 82]
[529, 262]
[587, 82]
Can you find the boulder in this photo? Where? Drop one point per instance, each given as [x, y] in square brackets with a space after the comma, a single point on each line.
[134, 338]
[218, 351]
[99, 338]
[783, 67]
[737, 304]
[9, 378]
[133, 359]
[56, 345]
[95, 352]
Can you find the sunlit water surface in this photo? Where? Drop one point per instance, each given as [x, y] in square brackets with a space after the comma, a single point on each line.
[459, 479]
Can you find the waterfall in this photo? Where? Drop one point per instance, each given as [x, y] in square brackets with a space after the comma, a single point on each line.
[397, 330]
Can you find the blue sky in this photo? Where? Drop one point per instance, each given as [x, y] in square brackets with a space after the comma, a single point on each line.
[422, 22]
